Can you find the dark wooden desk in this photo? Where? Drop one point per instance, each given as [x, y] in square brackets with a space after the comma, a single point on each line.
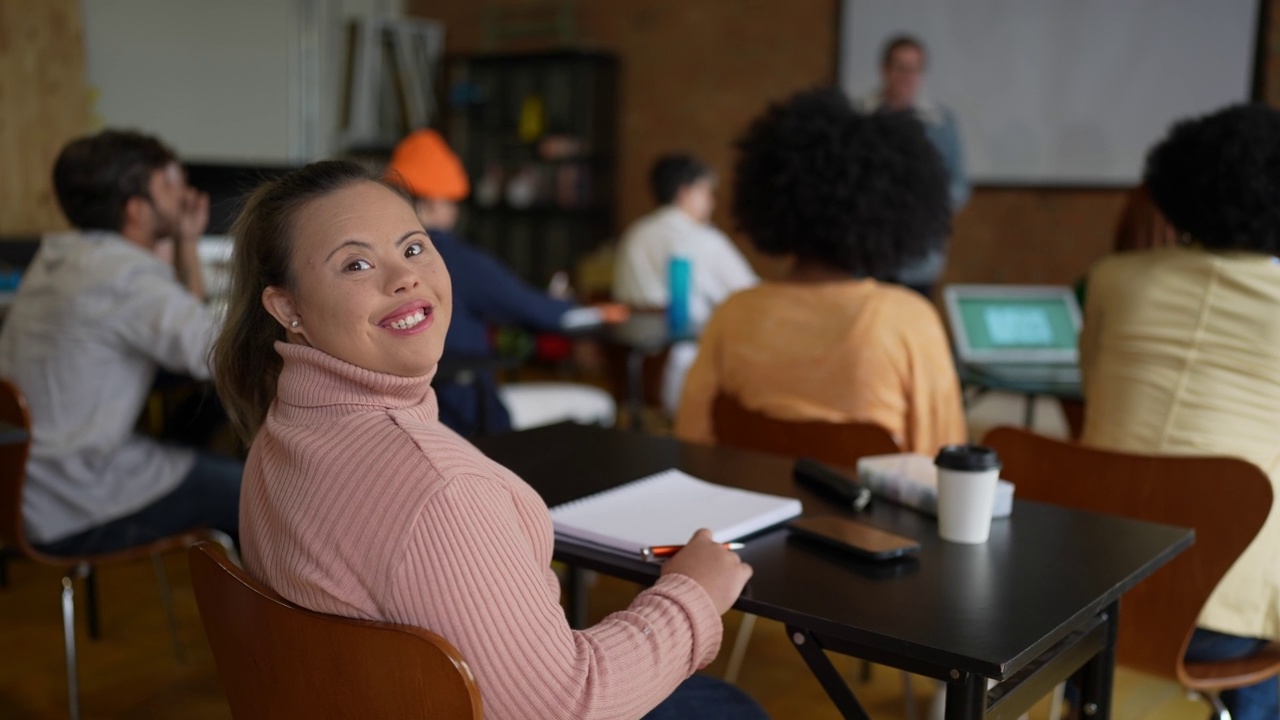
[1031, 607]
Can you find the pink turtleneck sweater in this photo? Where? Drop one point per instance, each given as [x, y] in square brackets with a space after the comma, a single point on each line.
[358, 502]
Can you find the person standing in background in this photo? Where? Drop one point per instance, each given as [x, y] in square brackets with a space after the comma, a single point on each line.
[902, 67]
[684, 189]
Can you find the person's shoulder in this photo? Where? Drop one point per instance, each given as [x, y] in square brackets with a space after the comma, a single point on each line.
[900, 306]
[443, 451]
[707, 233]
[643, 229]
[748, 300]
[408, 451]
[447, 242]
[1129, 266]
[112, 264]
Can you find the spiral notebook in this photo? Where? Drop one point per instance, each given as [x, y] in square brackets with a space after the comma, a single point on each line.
[666, 509]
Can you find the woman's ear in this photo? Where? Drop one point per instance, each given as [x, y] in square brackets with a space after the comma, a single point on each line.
[279, 302]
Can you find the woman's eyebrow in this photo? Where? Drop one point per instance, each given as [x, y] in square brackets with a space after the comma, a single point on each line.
[367, 246]
[357, 243]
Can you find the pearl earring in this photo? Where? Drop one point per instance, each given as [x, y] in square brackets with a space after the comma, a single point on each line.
[293, 324]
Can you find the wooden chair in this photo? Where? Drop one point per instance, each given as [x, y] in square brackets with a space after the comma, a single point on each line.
[279, 660]
[13, 539]
[840, 444]
[1225, 500]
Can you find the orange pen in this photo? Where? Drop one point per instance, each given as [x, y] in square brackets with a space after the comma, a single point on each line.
[658, 552]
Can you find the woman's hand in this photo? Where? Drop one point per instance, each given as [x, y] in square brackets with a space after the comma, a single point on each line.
[613, 312]
[719, 571]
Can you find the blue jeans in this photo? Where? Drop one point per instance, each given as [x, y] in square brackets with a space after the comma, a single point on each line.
[1255, 702]
[707, 698]
[209, 496]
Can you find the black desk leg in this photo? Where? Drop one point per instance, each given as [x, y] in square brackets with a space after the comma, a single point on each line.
[821, 667]
[577, 598]
[635, 391]
[1097, 677]
[966, 697]
[91, 603]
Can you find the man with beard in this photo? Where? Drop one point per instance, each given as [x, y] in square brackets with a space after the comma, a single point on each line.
[99, 310]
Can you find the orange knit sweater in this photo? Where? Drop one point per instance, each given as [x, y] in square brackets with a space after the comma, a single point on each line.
[358, 502]
[834, 352]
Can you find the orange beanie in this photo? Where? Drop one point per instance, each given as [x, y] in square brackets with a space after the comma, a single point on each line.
[427, 168]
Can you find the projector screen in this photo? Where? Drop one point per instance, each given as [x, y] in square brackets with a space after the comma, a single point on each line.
[1052, 92]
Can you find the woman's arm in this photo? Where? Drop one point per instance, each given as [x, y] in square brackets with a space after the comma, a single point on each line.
[470, 575]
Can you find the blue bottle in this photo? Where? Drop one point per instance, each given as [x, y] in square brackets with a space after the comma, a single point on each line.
[679, 279]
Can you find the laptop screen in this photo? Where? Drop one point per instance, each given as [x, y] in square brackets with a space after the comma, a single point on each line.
[1014, 324]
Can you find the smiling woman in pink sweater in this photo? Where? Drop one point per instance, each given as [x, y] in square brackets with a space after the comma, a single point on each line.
[358, 502]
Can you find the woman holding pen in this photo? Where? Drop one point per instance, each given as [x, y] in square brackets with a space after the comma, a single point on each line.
[358, 502]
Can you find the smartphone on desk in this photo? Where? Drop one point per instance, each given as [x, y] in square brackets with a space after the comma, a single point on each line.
[865, 541]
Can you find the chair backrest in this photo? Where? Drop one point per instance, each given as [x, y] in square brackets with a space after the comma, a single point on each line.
[278, 660]
[1225, 500]
[13, 467]
[835, 443]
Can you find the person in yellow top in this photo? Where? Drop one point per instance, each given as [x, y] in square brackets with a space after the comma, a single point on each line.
[847, 197]
[1180, 350]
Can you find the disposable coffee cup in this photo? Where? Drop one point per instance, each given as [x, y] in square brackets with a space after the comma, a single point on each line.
[967, 476]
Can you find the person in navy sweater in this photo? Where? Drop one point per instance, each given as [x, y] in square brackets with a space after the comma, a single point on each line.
[486, 293]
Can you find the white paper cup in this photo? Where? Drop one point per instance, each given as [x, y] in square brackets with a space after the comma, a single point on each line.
[967, 476]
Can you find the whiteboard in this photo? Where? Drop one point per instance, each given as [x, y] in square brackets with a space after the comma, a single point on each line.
[1061, 91]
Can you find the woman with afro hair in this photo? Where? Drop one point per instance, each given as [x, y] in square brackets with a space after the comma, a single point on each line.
[1181, 350]
[844, 198]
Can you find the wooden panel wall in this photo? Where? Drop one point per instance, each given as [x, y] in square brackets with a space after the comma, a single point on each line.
[43, 104]
[695, 71]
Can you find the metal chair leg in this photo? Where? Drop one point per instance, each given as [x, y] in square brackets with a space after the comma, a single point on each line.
[69, 638]
[90, 575]
[908, 697]
[167, 599]
[739, 648]
[1059, 698]
[1220, 711]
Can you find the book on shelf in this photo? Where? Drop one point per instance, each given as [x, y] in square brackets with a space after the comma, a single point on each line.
[667, 508]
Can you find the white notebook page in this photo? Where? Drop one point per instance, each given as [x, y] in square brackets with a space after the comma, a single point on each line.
[666, 509]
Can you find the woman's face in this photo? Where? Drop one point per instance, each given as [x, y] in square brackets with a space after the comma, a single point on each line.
[369, 287]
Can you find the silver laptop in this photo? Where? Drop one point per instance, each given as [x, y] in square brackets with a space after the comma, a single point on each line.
[1016, 333]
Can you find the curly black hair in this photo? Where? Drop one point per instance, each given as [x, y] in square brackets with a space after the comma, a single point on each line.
[1217, 178]
[863, 194]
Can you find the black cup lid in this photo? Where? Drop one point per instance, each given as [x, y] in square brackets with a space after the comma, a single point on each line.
[972, 458]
